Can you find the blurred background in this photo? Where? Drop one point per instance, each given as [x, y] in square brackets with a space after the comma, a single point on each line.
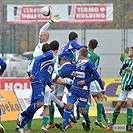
[18, 40]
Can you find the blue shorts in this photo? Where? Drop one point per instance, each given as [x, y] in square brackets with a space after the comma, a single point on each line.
[37, 92]
[80, 95]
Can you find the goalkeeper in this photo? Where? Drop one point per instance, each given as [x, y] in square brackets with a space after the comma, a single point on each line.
[43, 38]
[126, 92]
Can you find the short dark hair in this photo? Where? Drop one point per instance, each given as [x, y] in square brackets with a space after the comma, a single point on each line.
[84, 52]
[93, 43]
[45, 47]
[54, 45]
[73, 36]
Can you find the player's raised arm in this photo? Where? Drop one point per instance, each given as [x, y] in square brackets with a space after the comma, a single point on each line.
[54, 19]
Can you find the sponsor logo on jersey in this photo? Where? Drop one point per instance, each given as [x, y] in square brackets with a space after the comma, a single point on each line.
[80, 74]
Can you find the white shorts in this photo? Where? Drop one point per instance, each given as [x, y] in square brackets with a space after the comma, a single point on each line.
[125, 94]
[59, 90]
[95, 87]
[47, 94]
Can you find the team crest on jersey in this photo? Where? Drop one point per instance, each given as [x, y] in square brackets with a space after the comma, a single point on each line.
[128, 70]
[82, 68]
[83, 99]
[50, 69]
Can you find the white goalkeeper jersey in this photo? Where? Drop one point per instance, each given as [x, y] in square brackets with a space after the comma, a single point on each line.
[38, 48]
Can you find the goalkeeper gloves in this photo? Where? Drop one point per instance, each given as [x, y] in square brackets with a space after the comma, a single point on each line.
[55, 18]
[124, 66]
[128, 87]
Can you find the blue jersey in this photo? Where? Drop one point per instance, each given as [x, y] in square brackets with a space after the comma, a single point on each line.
[2, 65]
[68, 50]
[86, 70]
[43, 67]
[66, 70]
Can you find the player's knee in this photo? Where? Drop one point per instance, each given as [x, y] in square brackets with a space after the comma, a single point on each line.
[69, 105]
[129, 104]
[118, 106]
[82, 110]
[99, 96]
[40, 104]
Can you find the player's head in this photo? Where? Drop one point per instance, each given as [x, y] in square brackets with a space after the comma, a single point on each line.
[73, 36]
[92, 44]
[45, 47]
[54, 46]
[43, 36]
[130, 52]
[83, 53]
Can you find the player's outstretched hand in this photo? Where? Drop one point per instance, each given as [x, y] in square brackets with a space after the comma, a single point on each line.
[31, 78]
[54, 19]
[73, 74]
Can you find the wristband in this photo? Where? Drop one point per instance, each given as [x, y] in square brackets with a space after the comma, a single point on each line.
[51, 22]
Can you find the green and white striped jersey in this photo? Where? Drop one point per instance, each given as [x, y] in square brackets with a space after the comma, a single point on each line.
[127, 73]
[56, 66]
[94, 57]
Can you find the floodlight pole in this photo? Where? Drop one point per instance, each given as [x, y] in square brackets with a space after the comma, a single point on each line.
[84, 33]
[3, 30]
[132, 27]
[36, 22]
[124, 28]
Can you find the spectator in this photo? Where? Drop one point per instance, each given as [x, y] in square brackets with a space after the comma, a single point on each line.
[124, 54]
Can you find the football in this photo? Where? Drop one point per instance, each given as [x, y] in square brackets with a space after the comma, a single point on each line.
[2, 129]
[46, 10]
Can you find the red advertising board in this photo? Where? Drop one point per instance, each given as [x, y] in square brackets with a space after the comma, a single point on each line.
[31, 13]
[90, 12]
[111, 85]
[69, 13]
[14, 83]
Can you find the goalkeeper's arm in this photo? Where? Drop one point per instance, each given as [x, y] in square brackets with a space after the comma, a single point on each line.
[55, 18]
[45, 27]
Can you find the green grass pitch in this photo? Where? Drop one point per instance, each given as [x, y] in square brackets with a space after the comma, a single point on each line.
[10, 126]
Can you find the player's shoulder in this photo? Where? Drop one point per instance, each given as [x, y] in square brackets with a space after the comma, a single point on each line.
[127, 60]
[90, 63]
[72, 42]
[96, 54]
[49, 53]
